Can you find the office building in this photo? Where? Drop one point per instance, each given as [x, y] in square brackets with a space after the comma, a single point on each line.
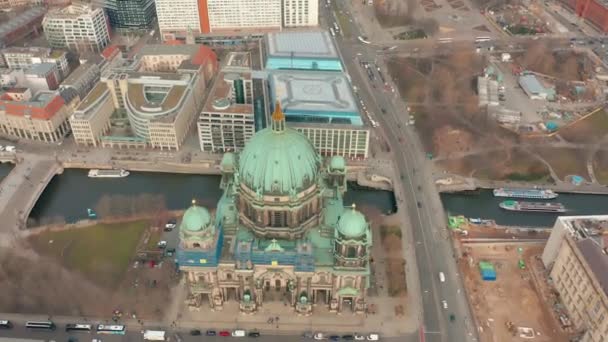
[230, 15]
[298, 13]
[128, 14]
[41, 116]
[159, 96]
[91, 119]
[227, 122]
[344, 140]
[25, 57]
[43, 76]
[577, 256]
[22, 25]
[310, 50]
[280, 232]
[77, 27]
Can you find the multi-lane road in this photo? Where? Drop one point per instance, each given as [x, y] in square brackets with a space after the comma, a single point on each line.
[416, 194]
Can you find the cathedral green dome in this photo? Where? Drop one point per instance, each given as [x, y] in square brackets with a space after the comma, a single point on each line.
[352, 223]
[337, 163]
[195, 219]
[278, 161]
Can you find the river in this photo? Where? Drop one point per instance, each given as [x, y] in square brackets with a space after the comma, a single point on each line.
[5, 169]
[70, 194]
[485, 206]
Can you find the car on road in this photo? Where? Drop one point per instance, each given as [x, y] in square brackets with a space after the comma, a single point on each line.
[419, 204]
[5, 324]
[319, 336]
[383, 110]
[195, 332]
[225, 333]
[210, 333]
[452, 318]
[444, 303]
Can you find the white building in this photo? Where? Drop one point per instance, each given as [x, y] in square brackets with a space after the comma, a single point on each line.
[179, 16]
[78, 27]
[24, 57]
[300, 13]
[243, 14]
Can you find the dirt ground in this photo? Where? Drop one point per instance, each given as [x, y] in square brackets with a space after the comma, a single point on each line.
[589, 130]
[565, 65]
[395, 264]
[507, 164]
[511, 298]
[566, 161]
[600, 166]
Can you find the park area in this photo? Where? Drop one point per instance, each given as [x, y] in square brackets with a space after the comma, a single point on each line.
[505, 307]
[88, 271]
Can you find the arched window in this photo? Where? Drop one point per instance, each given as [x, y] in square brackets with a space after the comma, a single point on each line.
[351, 252]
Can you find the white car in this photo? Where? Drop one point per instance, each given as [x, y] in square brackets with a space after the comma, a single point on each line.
[373, 337]
[444, 303]
[359, 337]
[319, 336]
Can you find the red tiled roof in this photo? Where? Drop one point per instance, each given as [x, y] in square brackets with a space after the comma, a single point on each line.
[174, 42]
[41, 113]
[204, 55]
[108, 52]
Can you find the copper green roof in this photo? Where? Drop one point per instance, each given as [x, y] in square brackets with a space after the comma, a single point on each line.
[195, 219]
[337, 163]
[352, 223]
[278, 162]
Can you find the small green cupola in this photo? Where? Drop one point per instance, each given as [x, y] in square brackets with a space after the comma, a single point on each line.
[352, 224]
[352, 240]
[196, 228]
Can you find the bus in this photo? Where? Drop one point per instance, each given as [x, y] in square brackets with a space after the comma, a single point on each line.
[48, 325]
[78, 327]
[111, 329]
[482, 39]
[444, 40]
[4, 324]
[154, 335]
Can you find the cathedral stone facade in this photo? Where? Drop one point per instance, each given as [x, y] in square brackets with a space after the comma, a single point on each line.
[280, 231]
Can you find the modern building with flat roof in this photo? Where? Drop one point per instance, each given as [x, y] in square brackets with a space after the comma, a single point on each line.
[348, 141]
[129, 14]
[577, 256]
[91, 119]
[299, 13]
[315, 97]
[227, 121]
[77, 27]
[310, 50]
[24, 57]
[40, 117]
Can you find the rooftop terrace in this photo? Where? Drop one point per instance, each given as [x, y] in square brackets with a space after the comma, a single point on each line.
[219, 99]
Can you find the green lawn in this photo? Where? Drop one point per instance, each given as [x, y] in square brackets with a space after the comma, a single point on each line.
[101, 252]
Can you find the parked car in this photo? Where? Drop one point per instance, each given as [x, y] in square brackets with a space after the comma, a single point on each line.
[373, 337]
[225, 333]
[319, 336]
[359, 337]
[195, 332]
[210, 333]
[308, 334]
[444, 303]
[334, 338]
[162, 244]
[348, 337]
[254, 334]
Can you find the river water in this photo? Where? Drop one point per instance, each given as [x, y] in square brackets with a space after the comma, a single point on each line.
[5, 168]
[70, 194]
[485, 206]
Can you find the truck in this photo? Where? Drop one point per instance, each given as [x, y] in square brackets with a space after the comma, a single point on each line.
[154, 335]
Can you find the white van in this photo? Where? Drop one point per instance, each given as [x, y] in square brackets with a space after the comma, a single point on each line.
[442, 277]
[238, 333]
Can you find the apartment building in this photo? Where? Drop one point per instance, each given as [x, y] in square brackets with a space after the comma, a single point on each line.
[83, 78]
[25, 57]
[181, 16]
[177, 18]
[91, 119]
[77, 27]
[577, 256]
[128, 14]
[298, 13]
[41, 116]
[226, 15]
[227, 121]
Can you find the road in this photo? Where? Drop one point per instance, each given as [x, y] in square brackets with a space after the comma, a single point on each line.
[434, 252]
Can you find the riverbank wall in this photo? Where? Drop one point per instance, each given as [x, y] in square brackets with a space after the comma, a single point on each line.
[461, 184]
